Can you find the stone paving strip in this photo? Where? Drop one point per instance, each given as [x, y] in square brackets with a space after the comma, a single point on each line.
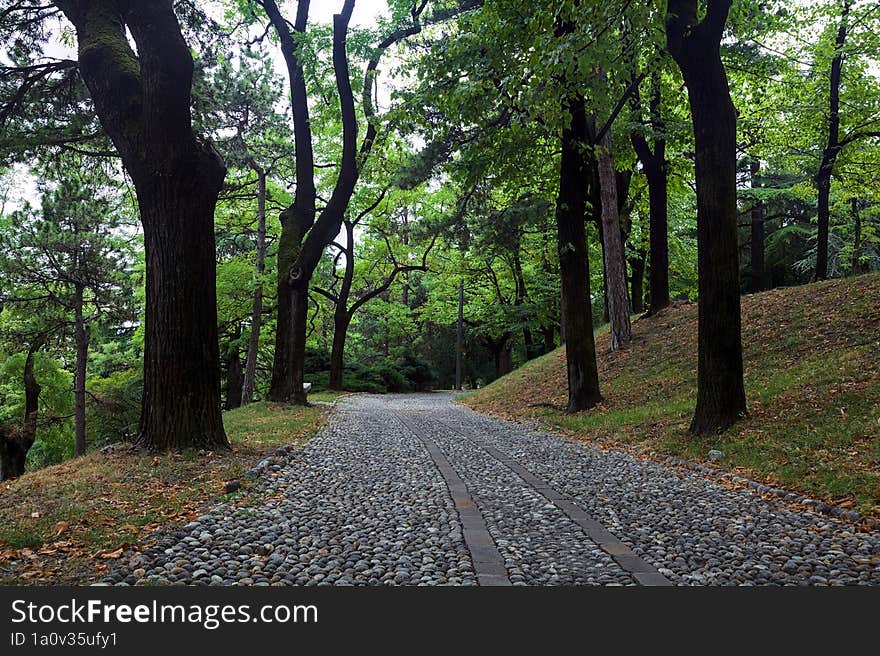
[644, 573]
[692, 528]
[417, 490]
[541, 545]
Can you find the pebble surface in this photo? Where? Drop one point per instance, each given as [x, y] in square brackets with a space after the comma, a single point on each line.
[363, 503]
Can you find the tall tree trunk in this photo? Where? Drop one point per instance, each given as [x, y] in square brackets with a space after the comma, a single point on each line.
[615, 271]
[341, 322]
[342, 316]
[856, 264]
[181, 401]
[299, 310]
[299, 257]
[574, 263]
[832, 148]
[696, 47]
[250, 371]
[143, 101]
[459, 337]
[233, 372]
[637, 282]
[15, 443]
[81, 341]
[520, 298]
[757, 277]
[655, 168]
[294, 224]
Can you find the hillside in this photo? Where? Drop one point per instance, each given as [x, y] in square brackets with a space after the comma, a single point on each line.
[812, 368]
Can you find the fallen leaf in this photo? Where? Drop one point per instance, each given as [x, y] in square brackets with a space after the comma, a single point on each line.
[111, 555]
[60, 527]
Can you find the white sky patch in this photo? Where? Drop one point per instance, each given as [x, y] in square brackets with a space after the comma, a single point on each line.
[366, 12]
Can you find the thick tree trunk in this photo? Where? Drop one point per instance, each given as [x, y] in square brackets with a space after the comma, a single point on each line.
[81, 341]
[293, 226]
[655, 169]
[297, 264]
[143, 101]
[615, 270]
[696, 47]
[250, 370]
[341, 322]
[15, 443]
[574, 264]
[833, 147]
[181, 402]
[294, 369]
[658, 277]
[757, 275]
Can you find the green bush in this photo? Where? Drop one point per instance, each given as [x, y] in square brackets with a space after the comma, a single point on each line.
[392, 379]
[407, 373]
[54, 444]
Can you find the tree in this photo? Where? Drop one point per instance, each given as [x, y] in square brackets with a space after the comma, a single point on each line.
[574, 262]
[68, 266]
[15, 442]
[615, 262]
[655, 168]
[305, 231]
[696, 47]
[833, 146]
[244, 94]
[344, 309]
[143, 101]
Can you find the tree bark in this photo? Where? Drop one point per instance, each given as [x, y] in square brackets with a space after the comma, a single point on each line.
[81, 341]
[574, 263]
[15, 443]
[521, 297]
[297, 219]
[181, 403]
[341, 322]
[459, 336]
[757, 277]
[832, 148]
[615, 271]
[655, 168]
[143, 102]
[250, 371]
[695, 45]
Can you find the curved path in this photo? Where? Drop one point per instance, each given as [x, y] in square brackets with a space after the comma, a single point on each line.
[415, 490]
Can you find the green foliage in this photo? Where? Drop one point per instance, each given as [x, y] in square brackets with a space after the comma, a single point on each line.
[113, 407]
[54, 424]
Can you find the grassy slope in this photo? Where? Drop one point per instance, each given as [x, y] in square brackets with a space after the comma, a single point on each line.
[68, 523]
[812, 370]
